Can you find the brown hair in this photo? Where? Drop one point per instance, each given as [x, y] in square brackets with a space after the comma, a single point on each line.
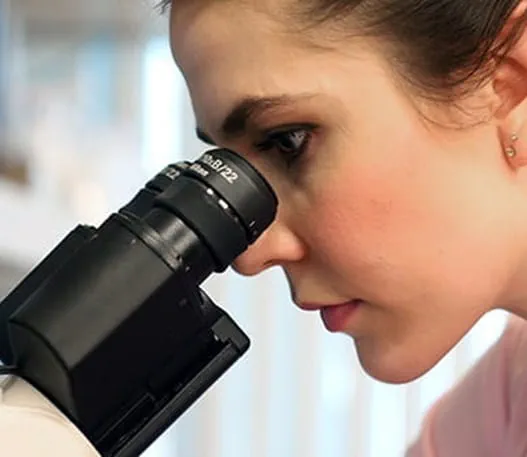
[445, 47]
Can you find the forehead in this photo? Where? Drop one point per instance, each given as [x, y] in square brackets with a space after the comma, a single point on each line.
[227, 52]
[212, 34]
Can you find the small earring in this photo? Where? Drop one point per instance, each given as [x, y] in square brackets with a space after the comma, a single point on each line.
[510, 150]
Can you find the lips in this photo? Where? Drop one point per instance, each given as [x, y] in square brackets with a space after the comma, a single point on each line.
[336, 317]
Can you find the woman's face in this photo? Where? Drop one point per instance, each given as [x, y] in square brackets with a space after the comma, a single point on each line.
[376, 203]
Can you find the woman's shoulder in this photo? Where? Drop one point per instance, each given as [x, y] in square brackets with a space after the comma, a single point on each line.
[31, 426]
[485, 413]
[514, 345]
[514, 349]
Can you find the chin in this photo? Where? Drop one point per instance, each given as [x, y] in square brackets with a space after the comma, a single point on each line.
[396, 366]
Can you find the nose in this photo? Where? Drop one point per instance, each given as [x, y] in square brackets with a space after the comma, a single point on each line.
[278, 245]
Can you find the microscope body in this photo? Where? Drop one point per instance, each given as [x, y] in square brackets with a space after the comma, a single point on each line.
[112, 326]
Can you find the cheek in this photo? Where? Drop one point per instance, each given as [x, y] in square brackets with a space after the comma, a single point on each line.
[393, 224]
[366, 204]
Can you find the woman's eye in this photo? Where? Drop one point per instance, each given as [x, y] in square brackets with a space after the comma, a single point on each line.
[290, 144]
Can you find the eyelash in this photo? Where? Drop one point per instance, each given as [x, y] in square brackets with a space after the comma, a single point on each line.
[272, 141]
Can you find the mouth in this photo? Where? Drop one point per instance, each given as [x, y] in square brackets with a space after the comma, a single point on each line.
[336, 317]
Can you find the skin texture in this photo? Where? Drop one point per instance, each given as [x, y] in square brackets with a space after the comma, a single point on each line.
[391, 202]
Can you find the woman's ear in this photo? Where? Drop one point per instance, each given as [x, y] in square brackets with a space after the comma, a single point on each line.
[509, 83]
[510, 76]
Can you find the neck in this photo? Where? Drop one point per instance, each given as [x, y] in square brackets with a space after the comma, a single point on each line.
[514, 295]
[514, 299]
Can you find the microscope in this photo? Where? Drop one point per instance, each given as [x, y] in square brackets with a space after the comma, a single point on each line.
[112, 325]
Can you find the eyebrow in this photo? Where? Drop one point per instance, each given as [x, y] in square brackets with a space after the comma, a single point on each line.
[235, 124]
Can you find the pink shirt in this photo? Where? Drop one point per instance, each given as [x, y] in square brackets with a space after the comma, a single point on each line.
[484, 415]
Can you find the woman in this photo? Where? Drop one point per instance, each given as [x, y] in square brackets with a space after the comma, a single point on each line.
[395, 135]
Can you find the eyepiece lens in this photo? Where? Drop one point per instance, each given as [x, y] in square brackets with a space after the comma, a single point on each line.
[244, 189]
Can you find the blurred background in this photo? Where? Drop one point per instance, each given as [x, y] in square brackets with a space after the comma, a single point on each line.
[91, 106]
